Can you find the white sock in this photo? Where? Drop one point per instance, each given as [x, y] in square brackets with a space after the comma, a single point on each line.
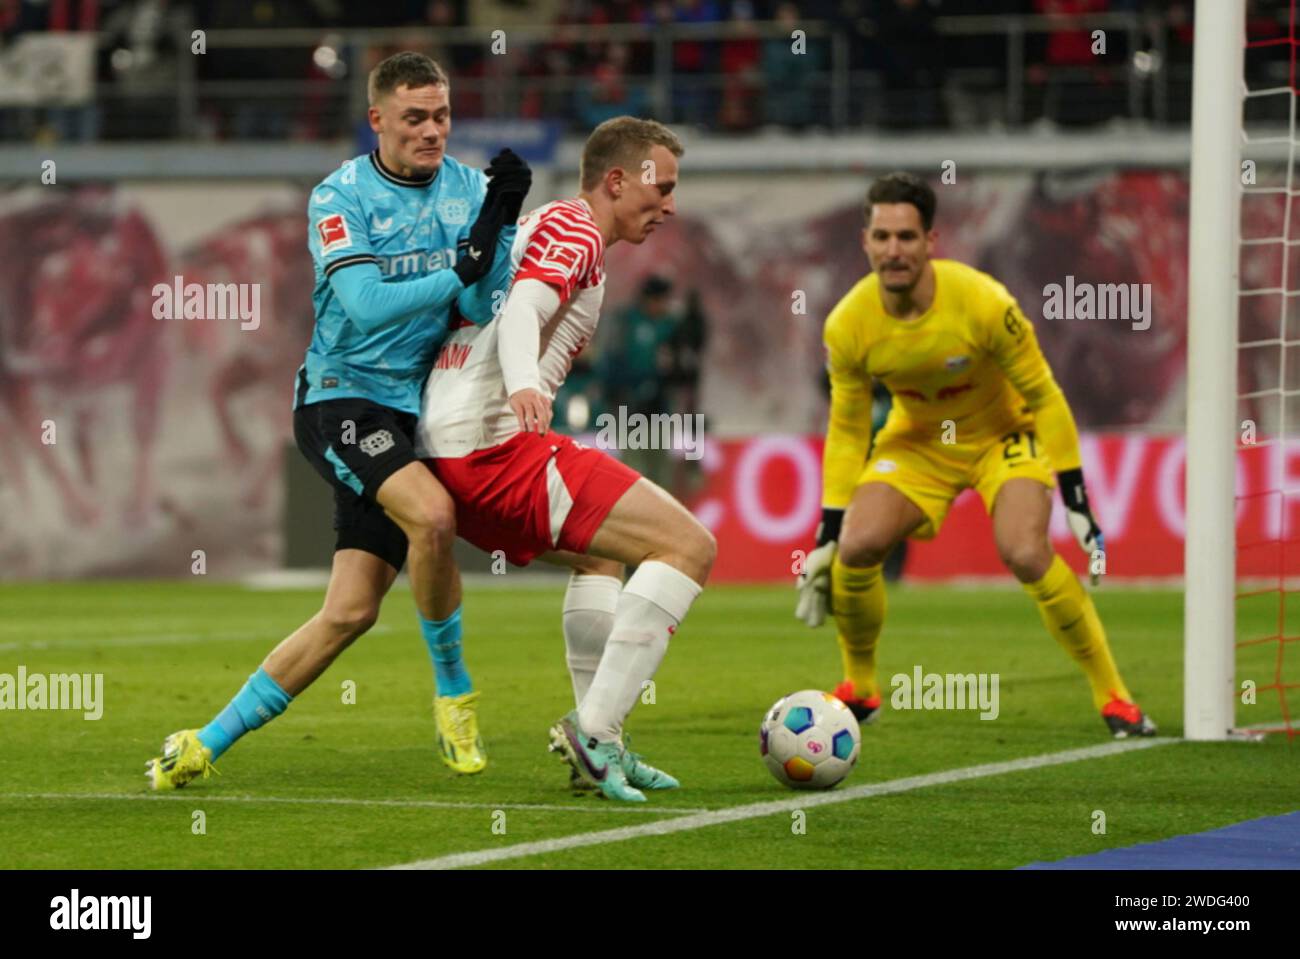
[589, 605]
[653, 604]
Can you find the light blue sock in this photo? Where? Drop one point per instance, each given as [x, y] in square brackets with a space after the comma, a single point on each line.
[260, 701]
[443, 640]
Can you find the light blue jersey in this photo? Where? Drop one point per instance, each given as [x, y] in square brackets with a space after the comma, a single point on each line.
[383, 247]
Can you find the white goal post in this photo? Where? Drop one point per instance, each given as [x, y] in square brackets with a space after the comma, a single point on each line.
[1210, 547]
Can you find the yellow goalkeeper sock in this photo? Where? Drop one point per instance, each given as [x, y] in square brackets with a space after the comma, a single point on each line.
[1070, 616]
[858, 599]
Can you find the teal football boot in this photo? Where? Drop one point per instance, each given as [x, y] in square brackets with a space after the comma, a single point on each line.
[599, 763]
[641, 774]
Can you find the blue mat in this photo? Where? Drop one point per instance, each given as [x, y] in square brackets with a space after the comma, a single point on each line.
[1270, 843]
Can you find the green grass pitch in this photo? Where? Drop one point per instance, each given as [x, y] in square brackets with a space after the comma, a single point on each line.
[73, 795]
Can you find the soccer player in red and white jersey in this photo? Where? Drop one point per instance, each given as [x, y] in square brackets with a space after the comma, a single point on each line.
[520, 488]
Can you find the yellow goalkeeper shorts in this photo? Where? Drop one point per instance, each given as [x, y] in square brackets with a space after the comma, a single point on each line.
[932, 473]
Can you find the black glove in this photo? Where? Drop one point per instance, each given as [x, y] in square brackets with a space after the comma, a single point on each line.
[474, 253]
[509, 179]
[829, 528]
[1079, 514]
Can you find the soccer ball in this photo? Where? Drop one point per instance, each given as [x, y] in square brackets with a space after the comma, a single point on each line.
[809, 740]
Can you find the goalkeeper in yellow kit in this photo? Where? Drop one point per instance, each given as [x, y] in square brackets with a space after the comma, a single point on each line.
[975, 405]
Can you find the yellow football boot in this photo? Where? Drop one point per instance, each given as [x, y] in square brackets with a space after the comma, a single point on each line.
[183, 758]
[458, 738]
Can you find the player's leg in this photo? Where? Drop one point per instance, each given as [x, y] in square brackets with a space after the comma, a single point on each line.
[878, 518]
[369, 551]
[1022, 510]
[590, 601]
[673, 553]
[646, 525]
[589, 608]
[555, 496]
[358, 582]
[421, 507]
[371, 449]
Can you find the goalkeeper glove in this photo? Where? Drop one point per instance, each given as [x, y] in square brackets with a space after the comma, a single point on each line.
[814, 583]
[1079, 514]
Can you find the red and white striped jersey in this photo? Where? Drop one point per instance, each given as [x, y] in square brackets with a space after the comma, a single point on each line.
[466, 407]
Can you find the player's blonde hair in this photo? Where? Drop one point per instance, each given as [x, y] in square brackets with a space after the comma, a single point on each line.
[623, 142]
[404, 69]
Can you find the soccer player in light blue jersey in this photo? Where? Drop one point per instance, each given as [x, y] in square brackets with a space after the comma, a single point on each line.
[406, 243]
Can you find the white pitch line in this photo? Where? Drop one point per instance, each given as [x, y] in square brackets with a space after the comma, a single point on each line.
[758, 810]
[198, 799]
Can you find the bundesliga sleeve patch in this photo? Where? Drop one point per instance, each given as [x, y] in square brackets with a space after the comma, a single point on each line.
[562, 257]
[334, 234]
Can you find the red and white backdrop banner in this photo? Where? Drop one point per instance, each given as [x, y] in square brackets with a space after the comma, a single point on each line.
[127, 442]
[762, 500]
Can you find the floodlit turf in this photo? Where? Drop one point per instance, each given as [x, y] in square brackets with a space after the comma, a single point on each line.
[173, 654]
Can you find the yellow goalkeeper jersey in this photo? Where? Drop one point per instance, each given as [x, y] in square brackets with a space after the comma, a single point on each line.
[971, 358]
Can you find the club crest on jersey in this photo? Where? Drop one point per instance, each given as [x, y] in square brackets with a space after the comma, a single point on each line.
[453, 212]
[334, 234]
[956, 363]
[380, 441]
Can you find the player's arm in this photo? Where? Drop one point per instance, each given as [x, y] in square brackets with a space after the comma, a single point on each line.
[1018, 353]
[552, 266]
[848, 437]
[341, 244]
[511, 178]
[531, 304]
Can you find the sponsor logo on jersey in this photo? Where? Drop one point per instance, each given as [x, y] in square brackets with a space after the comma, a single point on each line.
[323, 197]
[452, 356]
[415, 262]
[380, 226]
[380, 441]
[956, 363]
[334, 233]
[453, 212]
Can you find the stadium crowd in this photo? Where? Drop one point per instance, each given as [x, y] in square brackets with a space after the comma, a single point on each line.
[731, 62]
